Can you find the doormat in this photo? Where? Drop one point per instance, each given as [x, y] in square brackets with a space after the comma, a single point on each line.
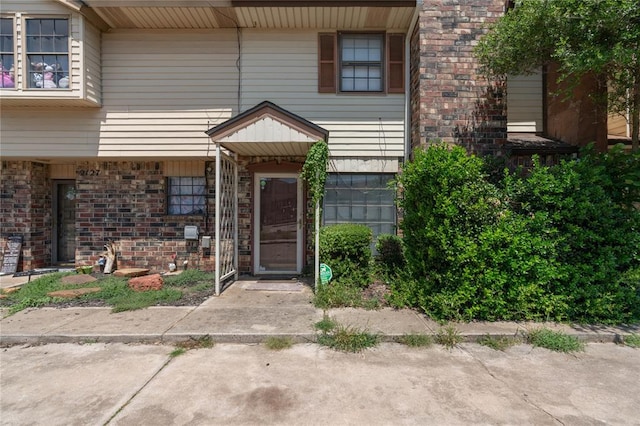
[273, 286]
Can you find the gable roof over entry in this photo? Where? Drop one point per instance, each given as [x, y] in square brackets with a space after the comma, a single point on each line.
[267, 130]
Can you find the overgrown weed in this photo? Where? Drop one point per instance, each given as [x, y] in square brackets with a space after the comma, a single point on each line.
[554, 340]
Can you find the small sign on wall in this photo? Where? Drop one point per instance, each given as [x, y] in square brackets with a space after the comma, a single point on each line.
[11, 255]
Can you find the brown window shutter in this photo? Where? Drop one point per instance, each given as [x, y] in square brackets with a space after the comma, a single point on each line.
[327, 63]
[395, 63]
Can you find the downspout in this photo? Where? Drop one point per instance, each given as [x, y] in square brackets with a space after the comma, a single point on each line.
[407, 77]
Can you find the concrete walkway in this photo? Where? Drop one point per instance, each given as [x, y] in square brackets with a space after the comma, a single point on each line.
[241, 315]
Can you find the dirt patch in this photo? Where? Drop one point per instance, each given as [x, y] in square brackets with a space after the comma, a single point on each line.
[377, 290]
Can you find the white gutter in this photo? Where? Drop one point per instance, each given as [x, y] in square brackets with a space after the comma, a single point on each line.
[407, 79]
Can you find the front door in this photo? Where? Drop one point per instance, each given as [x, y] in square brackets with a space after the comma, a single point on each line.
[277, 223]
[65, 222]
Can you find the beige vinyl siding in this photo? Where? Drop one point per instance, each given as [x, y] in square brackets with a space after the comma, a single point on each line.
[161, 90]
[617, 125]
[33, 6]
[164, 89]
[184, 168]
[524, 103]
[91, 52]
[62, 171]
[50, 133]
[281, 66]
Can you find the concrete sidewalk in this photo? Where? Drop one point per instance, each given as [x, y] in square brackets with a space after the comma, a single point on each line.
[241, 315]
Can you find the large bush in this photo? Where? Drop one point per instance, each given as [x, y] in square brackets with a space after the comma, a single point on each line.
[346, 248]
[552, 245]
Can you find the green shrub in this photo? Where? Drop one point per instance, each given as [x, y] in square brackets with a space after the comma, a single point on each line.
[346, 248]
[595, 231]
[390, 252]
[561, 243]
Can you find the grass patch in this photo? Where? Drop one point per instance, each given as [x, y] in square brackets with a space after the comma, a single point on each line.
[278, 343]
[554, 340]
[415, 340]
[349, 339]
[177, 352]
[448, 336]
[632, 340]
[344, 338]
[338, 295]
[500, 343]
[326, 324]
[115, 292]
[190, 278]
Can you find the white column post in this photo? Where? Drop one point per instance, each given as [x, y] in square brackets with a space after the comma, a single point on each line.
[236, 261]
[217, 223]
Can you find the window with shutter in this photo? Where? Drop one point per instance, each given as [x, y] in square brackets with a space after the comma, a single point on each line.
[361, 63]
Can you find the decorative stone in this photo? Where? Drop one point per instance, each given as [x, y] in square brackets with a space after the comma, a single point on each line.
[73, 293]
[78, 279]
[147, 282]
[130, 272]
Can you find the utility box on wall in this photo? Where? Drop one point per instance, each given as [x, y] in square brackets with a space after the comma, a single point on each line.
[206, 242]
[190, 232]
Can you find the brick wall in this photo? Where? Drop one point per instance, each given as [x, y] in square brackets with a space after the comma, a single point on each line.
[25, 210]
[455, 103]
[125, 202]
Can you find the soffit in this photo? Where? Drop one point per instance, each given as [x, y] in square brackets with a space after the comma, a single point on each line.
[202, 15]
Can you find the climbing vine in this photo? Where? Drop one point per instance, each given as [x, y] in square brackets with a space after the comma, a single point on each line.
[314, 170]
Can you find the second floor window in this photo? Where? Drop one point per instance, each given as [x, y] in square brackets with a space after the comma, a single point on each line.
[361, 62]
[356, 63]
[48, 53]
[7, 66]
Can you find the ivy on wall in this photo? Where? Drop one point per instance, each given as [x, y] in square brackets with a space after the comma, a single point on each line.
[314, 170]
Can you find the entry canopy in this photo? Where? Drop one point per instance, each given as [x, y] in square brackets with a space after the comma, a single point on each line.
[267, 130]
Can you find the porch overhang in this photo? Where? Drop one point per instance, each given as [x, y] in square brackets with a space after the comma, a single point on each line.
[267, 130]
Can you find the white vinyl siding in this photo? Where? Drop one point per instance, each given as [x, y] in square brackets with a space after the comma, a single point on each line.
[282, 67]
[524, 103]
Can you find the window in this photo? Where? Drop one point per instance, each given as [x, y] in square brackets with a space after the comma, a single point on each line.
[48, 53]
[360, 198]
[7, 66]
[186, 195]
[361, 63]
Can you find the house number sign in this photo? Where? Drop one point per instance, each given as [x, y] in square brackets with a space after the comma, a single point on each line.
[89, 172]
